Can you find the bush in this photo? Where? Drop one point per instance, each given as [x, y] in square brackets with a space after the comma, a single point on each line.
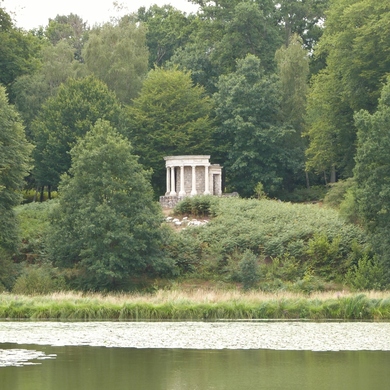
[249, 270]
[337, 192]
[368, 274]
[199, 206]
[42, 279]
[33, 220]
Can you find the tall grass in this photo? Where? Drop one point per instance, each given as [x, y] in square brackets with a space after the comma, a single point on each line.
[198, 305]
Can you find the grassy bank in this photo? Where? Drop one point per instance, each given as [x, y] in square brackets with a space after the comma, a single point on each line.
[197, 305]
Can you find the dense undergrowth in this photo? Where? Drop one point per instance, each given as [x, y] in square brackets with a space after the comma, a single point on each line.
[264, 245]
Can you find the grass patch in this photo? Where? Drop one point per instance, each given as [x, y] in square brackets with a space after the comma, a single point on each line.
[197, 305]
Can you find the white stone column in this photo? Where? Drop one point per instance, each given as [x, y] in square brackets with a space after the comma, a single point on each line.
[193, 190]
[182, 192]
[168, 181]
[206, 180]
[173, 184]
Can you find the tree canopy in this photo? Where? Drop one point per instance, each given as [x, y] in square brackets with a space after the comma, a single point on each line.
[66, 117]
[118, 55]
[372, 174]
[251, 134]
[106, 226]
[170, 117]
[15, 162]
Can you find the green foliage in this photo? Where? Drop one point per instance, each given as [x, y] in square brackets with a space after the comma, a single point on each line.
[66, 117]
[250, 138]
[368, 274]
[317, 237]
[259, 191]
[326, 257]
[198, 206]
[249, 270]
[33, 219]
[14, 165]
[39, 279]
[167, 29]
[117, 55]
[106, 225]
[19, 52]
[170, 117]
[300, 195]
[348, 83]
[337, 193]
[372, 175]
[184, 251]
[70, 29]
[9, 271]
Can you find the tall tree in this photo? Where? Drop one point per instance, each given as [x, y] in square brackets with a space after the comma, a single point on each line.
[32, 90]
[71, 29]
[19, 52]
[228, 30]
[293, 71]
[167, 29]
[355, 45]
[252, 139]
[117, 54]
[170, 117]
[106, 225]
[66, 117]
[15, 161]
[372, 174]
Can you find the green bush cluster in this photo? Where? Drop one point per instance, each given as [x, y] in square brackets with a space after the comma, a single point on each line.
[199, 206]
[39, 279]
[298, 246]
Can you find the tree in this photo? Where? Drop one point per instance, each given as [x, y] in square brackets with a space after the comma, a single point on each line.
[14, 165]
[355, 46]
[252, 139]
[303, 18]
[117, 55]
[372, 174]
[170, 117]
[224, 32]
[32, 90]
[167, 30]
[70, 29]
[330, 128]
[106, 226]
[66, 117]
[293, 71]
[19, 52]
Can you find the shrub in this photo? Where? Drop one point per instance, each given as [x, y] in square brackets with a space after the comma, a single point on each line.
[368, 274]
[337, 192]
[42, 279]
[199, 205]
[249, 270]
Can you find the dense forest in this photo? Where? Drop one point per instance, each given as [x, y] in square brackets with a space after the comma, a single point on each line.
[292, 97]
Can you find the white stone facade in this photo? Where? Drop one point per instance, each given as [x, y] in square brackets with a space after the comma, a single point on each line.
[189, 176]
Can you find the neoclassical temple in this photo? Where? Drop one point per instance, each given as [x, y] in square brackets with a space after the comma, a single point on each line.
[189, 176]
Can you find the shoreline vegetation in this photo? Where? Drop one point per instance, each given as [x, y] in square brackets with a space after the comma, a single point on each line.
[197, 305]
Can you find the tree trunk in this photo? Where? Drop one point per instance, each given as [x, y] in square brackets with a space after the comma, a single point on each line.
[333, 174]
[42, 193]
[49, 191]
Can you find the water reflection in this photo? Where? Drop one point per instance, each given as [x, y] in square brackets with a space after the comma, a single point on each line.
[95, 368]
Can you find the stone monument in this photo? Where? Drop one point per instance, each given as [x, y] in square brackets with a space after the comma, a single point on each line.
[189, 176]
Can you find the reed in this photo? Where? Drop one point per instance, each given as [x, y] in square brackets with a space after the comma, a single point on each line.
[197, 305]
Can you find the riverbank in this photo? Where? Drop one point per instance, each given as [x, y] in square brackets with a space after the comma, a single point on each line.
[197, 305]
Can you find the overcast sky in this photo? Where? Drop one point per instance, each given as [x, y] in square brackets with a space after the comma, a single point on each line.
[30, 14]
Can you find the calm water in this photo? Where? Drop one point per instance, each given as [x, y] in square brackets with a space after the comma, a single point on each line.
[95, 368]
[194, 356]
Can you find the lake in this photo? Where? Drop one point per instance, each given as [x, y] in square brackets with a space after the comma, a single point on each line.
[194, 355]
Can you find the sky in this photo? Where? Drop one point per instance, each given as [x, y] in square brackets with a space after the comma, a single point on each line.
[29, 14]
